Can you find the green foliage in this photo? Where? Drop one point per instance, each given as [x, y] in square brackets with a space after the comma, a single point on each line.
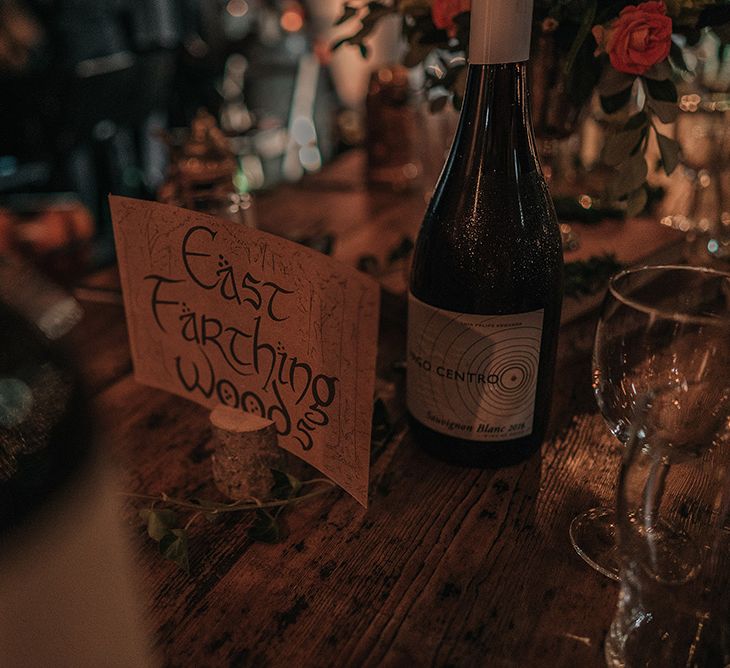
[669, 150]
[662, 91]
[164, 527]
[286, 486]
[625, 148]
[584, 72]
[265, 528]
[666, 112]
[636, 201]
[174, 546]
[163, 524]
[613, 103]
[587, 277]
[622, 144]
[159, 522]
[629, 177]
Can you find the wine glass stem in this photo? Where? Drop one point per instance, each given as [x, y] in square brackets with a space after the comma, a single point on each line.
[653, 492]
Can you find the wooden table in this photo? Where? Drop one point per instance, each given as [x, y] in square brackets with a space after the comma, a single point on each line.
[447, 567]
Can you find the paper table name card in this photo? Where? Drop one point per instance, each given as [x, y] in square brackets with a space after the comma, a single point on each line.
[222, 314]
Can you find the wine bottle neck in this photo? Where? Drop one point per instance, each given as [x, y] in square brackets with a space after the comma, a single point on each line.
[495, 128]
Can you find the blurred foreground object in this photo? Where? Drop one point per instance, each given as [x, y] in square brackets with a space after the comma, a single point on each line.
[20, 34]
[65, 567]
[53, 231]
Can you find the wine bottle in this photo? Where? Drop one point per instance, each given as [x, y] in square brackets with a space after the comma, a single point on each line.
[486, 280]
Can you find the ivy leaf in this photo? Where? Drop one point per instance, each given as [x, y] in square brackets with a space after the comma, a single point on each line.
[265, 528]
[636, 202]
[159, 522]
[612, 103]
[174, 546]
[669, 149]
[285, 485]
[620, 145]
[630, 175]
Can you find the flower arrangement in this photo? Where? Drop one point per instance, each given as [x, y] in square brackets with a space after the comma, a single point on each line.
[610, 47]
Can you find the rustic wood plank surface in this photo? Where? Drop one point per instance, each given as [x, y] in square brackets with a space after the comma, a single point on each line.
[447, 567]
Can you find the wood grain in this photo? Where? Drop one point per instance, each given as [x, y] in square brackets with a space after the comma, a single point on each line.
[447, 567]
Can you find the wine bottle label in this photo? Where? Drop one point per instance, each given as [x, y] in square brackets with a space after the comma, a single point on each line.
[500, 31]
[473, 376]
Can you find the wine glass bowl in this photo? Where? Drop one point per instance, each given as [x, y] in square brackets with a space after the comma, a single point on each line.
[663, 333]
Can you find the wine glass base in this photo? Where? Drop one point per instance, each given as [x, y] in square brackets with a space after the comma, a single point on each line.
[593, 535]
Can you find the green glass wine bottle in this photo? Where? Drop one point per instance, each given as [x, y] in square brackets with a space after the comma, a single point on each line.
[486, 282]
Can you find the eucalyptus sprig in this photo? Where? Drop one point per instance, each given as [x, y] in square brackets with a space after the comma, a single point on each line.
[165, 526]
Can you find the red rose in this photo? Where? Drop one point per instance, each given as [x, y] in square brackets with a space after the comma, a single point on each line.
[638, 39]
[443, 13]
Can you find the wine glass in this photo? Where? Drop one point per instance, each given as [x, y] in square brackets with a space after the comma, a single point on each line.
[673, 514]
[664, 331]
[703, 207]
